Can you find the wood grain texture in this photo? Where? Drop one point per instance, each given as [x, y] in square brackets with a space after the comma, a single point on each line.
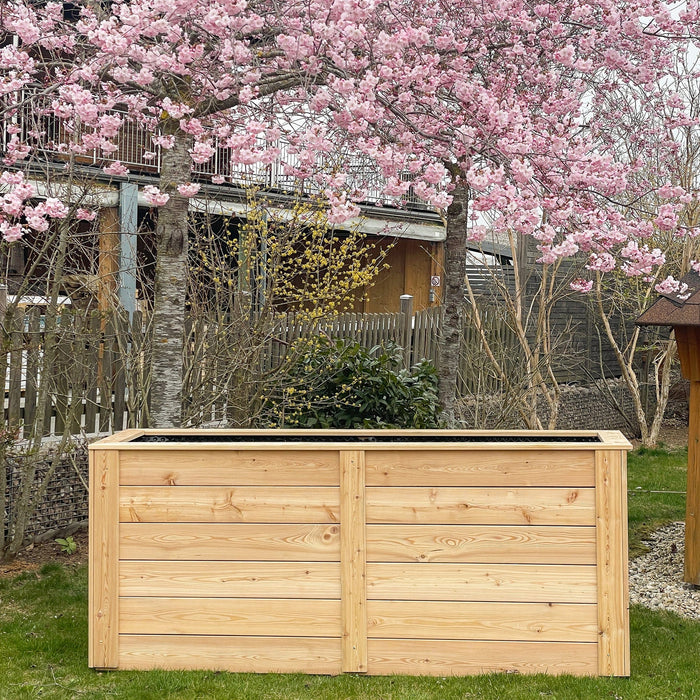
[192, 467]
[527, 583]
[230, 616]
[487, 621]
[353, 562]
[260, 579]
[426, 467]
[457, 658]
[613, 593]
[691, 572]
[517, 544]
[229, 541]
[221, 504]
[103, 587]
[235, 654]
[481, 506]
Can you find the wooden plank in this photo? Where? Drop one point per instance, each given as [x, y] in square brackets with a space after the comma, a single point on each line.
[219, 504]
[230, 468]
[353, 559]
[120, 332]
[92, 355]
[518, 544]
[32, 375]
[261, 579]
[103, 588]
[526, 583]
[455, 658]
[496, 621]
[613, 594]
[235, 654]
[484, 506]
[480, 468]
[229, 541]
[14, 400]
[229, 616]
[691, 569]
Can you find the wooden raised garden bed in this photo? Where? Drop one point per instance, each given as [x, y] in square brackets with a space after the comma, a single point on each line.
[380, 552]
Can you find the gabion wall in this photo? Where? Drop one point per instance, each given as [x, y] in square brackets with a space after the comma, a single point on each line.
[66, 499]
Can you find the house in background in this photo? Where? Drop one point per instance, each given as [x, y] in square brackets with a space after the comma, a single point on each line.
[411, 234]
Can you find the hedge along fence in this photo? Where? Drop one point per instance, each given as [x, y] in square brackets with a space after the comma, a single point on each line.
[411, 552]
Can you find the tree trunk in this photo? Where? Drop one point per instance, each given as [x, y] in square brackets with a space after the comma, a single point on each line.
[170, 288]
[453, 301]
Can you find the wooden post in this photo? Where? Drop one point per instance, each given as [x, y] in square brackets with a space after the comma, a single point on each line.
[103, 586]
[691, 572]
[108, 261]
[353, 558]
[407, 311]
[688, 341]
[611, 555]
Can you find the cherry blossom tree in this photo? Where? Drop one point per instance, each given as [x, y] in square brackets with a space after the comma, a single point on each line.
[498, 107]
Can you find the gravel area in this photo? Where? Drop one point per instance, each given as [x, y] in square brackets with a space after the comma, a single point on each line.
[656, 578]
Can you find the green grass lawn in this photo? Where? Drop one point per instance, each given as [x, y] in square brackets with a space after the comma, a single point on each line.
[43, 640]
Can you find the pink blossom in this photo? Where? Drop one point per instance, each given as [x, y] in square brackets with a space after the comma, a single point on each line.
[188, 190]
[55, 209]
[202, 152]
[218, 179]
[668, 286]
[581, 285]
[85, 214]
[37, 222]
[154, 196]
[601, 262]
[116, 168]
[11, 233]
[695, 265]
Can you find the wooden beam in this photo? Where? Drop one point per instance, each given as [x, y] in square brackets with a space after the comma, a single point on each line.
[108, 260]
[353, 558]
[611, 536]
[692, 508]
[103, 587]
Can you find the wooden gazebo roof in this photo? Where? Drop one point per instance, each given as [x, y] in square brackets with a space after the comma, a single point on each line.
[678, 309]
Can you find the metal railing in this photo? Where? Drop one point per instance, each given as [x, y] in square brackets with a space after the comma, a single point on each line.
[37, 124]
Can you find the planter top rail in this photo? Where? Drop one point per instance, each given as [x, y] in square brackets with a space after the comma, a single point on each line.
[221, 439]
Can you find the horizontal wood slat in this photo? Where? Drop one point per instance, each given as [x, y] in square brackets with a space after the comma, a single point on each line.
[527, 583]
[481, 506]
[188, 467]
[230, 616]
[253, 504]
[234, 541]
[260, 579]
[452, 658]
[237, 654]
[480, 468]
[385, 553]
[519, 544]
[424, 619]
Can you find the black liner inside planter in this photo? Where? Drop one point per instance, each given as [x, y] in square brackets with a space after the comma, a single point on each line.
[365, 438]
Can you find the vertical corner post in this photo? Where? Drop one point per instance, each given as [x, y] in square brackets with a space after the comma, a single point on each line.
[103, 585]
[691, 573]
[353, 558]
[611, 555]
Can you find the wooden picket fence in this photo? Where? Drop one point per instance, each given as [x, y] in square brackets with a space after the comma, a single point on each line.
[97, 380]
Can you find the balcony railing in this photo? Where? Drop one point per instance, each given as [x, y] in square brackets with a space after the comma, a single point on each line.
[39, 126]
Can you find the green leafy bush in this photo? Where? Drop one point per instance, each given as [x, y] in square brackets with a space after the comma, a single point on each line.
[340, 384]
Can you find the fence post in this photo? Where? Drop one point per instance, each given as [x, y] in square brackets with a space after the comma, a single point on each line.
[407, 311]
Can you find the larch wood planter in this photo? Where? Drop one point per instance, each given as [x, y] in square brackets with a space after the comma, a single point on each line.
[380, 552]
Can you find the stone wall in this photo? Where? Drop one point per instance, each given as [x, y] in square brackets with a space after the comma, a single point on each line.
[65, 502]
[581, 408]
